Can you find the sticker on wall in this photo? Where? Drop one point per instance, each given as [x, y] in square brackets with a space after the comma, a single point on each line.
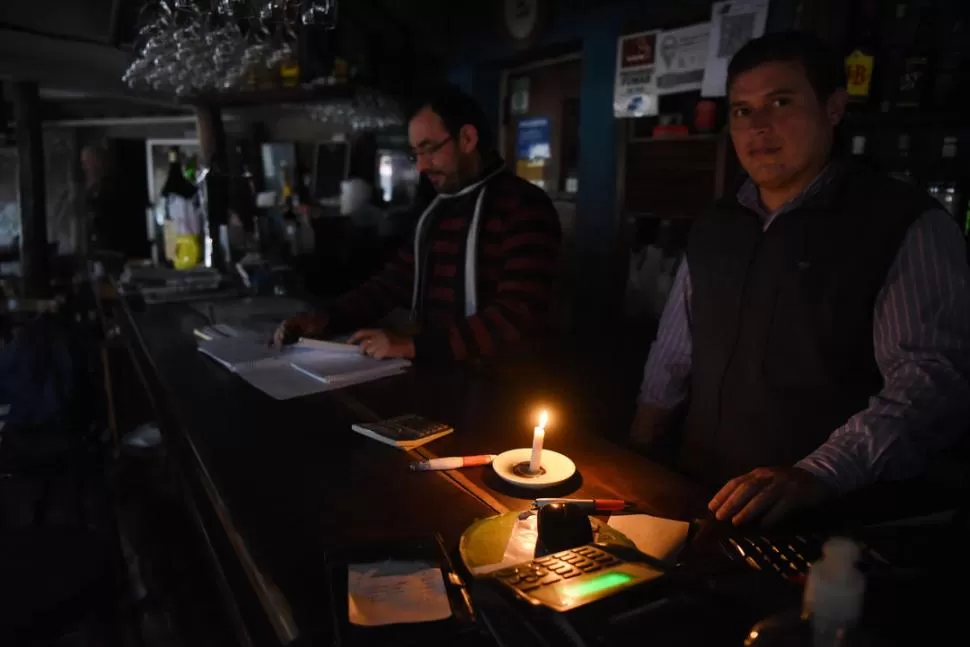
[681, 60]
[533, 171]
[519, 95]
[532, 142]
[732, 25]
[858, 73]
[633, 89]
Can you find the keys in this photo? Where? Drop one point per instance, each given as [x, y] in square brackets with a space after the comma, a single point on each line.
[558, 567]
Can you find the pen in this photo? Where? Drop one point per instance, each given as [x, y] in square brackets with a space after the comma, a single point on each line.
[452, 463]
[593, 505]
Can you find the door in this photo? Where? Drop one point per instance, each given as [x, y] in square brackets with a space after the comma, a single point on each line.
[540, 137]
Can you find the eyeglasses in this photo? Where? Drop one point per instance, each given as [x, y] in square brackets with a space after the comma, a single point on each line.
[428, 150]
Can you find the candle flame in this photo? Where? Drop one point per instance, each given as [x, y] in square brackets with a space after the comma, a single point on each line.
[543, 419]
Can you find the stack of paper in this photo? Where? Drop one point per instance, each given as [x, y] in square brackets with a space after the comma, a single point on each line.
[339, 368]
[250, 352]
[301, 369]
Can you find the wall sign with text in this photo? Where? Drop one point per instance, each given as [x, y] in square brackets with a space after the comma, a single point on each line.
[634, 90]
[732, 25]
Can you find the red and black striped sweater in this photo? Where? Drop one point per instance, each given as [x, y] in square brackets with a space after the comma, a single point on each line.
[486, 281]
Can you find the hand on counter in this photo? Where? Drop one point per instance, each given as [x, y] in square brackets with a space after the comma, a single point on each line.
[767, 493]
[381, 344]
[293, 328]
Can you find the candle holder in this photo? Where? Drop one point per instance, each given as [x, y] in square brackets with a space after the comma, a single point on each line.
[524, 470]
[513, 467]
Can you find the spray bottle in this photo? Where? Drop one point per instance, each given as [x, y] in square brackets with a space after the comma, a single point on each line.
[831, 605]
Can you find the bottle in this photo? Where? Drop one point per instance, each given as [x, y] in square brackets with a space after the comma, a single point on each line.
[181, 227]
[859, 149]
[289, 217]
[901, 170]
[946, 184]
[949, 87]
[831, 605]
[913, 77]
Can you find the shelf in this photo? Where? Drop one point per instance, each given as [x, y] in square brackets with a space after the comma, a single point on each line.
[302, 94]
[936, 120]
[693, 138]
[644, 215]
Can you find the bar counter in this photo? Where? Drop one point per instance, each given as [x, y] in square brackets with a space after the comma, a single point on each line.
[276, 485]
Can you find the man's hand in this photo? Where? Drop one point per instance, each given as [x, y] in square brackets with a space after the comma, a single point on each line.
[768, 493]
[293, 328]
[381, 344]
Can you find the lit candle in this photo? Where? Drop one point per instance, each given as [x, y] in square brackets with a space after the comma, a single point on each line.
[538, 435]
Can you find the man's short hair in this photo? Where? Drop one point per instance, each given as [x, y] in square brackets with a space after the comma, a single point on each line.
[823, 67]
[457, 109]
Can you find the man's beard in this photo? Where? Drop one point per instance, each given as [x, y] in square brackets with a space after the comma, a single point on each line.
[463, 175]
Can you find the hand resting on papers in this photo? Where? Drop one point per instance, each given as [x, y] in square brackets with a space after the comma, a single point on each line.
[313, 326]
[383, 344]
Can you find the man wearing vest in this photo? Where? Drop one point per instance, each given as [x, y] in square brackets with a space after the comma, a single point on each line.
[478, 274]
[819, 330]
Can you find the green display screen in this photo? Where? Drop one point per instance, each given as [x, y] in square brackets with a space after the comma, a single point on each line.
[597, 584]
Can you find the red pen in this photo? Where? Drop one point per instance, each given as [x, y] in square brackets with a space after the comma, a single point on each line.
[452, 462]
[592, 505]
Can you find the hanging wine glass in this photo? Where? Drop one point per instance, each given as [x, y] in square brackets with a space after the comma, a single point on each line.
[319, 13]
[231, 8]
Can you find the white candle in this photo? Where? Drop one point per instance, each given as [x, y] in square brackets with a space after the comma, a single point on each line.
[538, 435]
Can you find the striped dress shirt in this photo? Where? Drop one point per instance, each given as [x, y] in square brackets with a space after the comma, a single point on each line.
[516, 262]
[921, 338]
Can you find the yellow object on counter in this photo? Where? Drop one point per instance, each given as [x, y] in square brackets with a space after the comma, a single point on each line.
[188, 252]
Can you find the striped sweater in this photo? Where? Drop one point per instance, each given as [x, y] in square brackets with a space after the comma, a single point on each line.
[481, 290]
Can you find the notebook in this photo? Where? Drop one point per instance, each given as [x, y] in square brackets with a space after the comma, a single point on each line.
[341, 367]
[246, 352]
[331, 346]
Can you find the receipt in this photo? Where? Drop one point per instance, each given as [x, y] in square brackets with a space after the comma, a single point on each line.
[392, 592]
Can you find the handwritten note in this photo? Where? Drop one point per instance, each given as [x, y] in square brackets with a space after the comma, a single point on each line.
[393, 592]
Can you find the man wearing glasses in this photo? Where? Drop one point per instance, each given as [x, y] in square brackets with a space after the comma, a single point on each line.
[478, 273]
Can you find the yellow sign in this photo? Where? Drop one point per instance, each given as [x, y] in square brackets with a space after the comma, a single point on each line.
[858, 73]
[532, 170]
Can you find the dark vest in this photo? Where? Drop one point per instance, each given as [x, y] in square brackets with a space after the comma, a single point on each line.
[782, 321]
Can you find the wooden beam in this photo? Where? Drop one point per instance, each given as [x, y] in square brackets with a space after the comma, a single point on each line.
[34, 254]
[62, 63]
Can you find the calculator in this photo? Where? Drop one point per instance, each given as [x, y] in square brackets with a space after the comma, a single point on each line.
[407, 432]
[572, 578]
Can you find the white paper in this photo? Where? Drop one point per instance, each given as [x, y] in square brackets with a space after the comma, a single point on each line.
[682, 54]
[393, 592]
[635, 68]
[283, 382]
[332, 346]
[340, 368]
[655, 536]
[246, 351]
[732, 25]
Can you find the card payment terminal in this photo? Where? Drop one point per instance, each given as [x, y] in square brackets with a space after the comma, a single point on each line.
[572, 578]
[598, 595]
